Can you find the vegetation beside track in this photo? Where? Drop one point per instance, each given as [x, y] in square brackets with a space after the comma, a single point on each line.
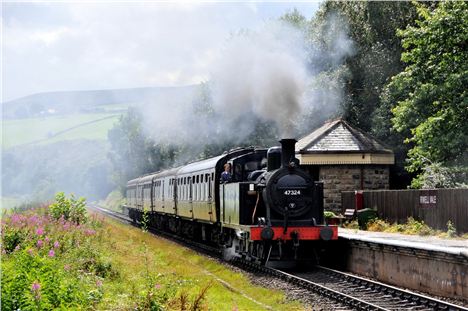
[76, 261]
[411, 227]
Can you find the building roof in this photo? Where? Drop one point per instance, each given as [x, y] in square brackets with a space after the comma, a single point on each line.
[337, 142]
[339, 136]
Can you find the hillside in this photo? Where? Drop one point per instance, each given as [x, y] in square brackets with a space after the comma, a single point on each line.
[58, 140]
[94, 101]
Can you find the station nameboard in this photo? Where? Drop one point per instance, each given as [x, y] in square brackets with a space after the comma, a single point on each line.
[427, 198]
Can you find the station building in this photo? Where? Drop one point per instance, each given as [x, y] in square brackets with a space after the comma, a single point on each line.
[344, 158]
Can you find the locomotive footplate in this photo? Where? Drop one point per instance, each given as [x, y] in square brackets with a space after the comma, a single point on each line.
[297, 233]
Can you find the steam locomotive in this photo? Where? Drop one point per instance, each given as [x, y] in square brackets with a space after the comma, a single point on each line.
[264, 214]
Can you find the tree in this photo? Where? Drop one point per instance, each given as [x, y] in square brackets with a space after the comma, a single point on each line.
[432, 108]
[132, 153]
[372, 25]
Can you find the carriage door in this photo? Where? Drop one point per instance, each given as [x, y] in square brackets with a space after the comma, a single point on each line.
[162, 192]
[210, 199]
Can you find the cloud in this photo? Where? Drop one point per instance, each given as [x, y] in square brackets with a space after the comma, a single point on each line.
[72, 46]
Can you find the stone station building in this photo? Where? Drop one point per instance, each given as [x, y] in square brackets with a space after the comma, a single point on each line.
[345, 159]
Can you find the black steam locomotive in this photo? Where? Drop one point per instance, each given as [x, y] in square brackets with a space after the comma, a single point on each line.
[264, 214]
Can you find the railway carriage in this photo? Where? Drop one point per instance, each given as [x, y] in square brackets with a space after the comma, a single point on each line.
[270, 210]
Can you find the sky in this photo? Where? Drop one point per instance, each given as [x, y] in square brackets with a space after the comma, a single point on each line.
[62, 46]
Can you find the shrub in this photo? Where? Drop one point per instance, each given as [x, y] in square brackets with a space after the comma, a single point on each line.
[12, 238]
[69, 208]
[41, 258]
[451, 230]
[417, 227]
[377, 225]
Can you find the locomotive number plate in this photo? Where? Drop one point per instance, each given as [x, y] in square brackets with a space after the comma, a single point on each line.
[292, 192]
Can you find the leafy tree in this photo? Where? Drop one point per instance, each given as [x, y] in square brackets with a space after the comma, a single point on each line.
[372, 25]
[132, 153]
[432, 107]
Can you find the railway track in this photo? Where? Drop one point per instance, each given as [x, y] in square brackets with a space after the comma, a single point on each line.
[355, 292]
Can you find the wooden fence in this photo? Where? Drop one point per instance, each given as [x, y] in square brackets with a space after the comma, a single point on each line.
[435, 207]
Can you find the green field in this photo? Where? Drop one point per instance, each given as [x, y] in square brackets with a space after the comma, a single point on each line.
[10, 202]
[56, 128]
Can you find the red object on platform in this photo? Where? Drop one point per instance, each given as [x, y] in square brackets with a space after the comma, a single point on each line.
[359, 199]
[304, 233]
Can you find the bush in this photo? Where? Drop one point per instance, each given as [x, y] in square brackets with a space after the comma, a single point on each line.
[378, 225]
[451, 230]
[412, 226]
[69, 208]
[12, 239]
[41, 260]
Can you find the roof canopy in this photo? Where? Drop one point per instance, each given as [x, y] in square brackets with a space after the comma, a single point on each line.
[337, 142]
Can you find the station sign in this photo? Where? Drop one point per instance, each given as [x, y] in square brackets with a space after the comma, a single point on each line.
[427, 198]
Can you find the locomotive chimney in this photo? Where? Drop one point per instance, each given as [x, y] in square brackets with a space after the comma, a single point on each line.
[288, 153]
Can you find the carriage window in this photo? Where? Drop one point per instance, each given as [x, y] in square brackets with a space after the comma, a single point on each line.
[198, 178]
[201, 178]
[212, 176]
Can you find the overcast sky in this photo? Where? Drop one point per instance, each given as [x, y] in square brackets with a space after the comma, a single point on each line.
[84, 46]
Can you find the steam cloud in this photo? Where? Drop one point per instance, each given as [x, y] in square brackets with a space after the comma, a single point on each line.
[276, 74]
[263, 73]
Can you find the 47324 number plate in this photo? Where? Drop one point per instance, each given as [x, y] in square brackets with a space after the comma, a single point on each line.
[292, 192]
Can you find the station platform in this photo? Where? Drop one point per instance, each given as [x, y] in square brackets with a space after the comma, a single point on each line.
[428, 243]
[428, 264]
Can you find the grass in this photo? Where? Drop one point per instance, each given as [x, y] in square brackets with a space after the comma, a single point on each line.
[25, 131]
[184, 270]
[50, 263]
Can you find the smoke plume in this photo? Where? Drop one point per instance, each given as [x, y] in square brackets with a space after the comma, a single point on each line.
[278, 73]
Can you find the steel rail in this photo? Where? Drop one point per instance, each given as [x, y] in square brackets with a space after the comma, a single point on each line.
[399, 293]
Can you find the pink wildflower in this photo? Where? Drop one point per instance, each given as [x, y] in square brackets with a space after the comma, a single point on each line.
[15, 218]
[39, 231]
[66, 267]
[35, 288]
[157, 286]
[56, 244]
[98, 283]
[33, 220]
[51, 253]
[40, 243]
[17, 247]
[89, 232]
[30, 251]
